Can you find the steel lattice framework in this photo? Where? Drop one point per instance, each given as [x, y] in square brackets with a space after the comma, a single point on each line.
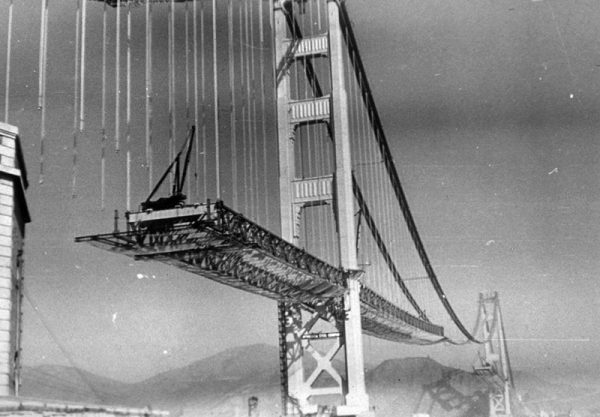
[218, 243]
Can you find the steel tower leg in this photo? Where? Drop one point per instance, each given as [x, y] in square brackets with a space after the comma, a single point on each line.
[356, 397]
[290, 352]
[495, 355]
[300, 392]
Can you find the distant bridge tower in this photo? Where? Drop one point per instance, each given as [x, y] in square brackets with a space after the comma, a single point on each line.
[494, 355]
[13, 216]
[300, 393]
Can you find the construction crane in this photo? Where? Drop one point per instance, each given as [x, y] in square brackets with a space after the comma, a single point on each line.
[177, 197]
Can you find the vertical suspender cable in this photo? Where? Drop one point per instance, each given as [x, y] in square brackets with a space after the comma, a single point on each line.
[82, 67]
[272, 48]
[254, 137]
[42, 82]
[174, 136]
[187, 80]
[8, 51]
[43, 34]
[248, 109]
[170, 52]
[103, 114]
[233, 109]
[128, 110]
[195, 43]
[76, 95]
[149, 93]
[216, 99]
[243, 100]
[117, 77]
[187, 65]
[263, 108]
[203, 85]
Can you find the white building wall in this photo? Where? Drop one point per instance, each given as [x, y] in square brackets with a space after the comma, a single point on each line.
[13, 216]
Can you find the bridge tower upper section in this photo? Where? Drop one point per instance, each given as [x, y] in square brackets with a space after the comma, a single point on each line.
[330, 109]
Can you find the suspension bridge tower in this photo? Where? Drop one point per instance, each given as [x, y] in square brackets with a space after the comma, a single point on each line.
[494, 358]
[299, 395]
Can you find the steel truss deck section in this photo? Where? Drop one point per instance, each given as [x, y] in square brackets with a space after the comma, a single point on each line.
[384, 320]
[218, 243]
[214, 241]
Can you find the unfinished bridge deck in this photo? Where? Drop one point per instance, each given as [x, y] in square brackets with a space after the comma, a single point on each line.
[218, 243]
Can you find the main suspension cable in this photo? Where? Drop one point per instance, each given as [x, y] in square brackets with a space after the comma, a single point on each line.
[390, 169]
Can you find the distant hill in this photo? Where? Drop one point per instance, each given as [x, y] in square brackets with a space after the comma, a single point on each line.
[71, 384]
[221, 385]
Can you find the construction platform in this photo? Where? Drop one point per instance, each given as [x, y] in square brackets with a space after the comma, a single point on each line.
[218, 243]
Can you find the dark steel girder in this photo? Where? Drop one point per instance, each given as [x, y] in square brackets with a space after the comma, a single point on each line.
[214, 241]
[218, 243]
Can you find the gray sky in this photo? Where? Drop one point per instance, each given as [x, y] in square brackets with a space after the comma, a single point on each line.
[491, 110]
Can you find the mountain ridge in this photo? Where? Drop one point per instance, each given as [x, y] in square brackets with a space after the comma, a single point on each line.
[221, 384]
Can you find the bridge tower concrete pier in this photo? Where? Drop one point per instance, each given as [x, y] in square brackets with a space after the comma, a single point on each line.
[13, 216]
[300, 395]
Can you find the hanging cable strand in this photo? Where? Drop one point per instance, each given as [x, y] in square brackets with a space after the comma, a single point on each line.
[44, 3]
[254, 116]
[42, 83]
[82, 67]
[233, 113]
[216, 101]
[76, 96]
[248, 113]
[171, 76]
[128, 111]
[103, 113]
[187, 64]
[149, 93]
[243, 104]
[118, 78]
[195, 58]
[187, 79]
[263, 108]
[393, 175]
[203, 86]
[8, 51]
